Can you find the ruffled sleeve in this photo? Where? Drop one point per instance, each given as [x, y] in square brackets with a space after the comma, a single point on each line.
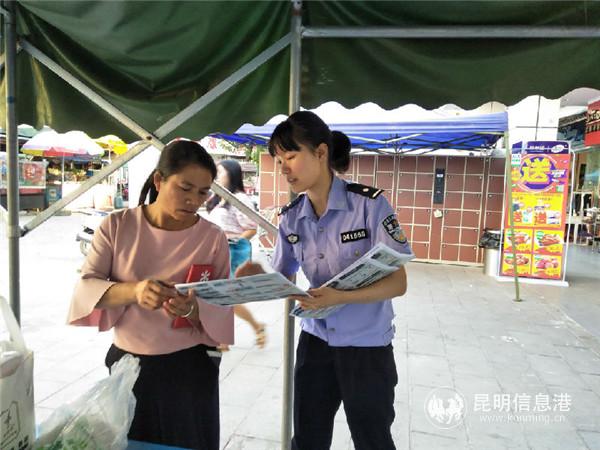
[95, 281]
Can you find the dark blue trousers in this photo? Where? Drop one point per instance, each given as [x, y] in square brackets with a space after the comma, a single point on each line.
[362, 378]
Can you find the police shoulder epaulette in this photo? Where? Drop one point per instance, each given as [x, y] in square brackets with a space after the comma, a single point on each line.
[290, 205]
[366, 191]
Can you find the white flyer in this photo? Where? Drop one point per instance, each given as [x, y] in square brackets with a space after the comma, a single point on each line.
[233, 291]
[374, 265]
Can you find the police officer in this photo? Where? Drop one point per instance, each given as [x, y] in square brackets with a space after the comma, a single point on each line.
[346, 357]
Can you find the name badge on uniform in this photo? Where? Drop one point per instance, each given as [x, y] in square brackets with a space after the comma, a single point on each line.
[392, 227]
[292, 238]
[353, 235]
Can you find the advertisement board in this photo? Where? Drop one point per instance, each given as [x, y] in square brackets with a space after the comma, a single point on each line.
[540, 180]
[32, 174]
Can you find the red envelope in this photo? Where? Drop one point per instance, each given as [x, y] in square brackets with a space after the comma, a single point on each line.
[197, 272]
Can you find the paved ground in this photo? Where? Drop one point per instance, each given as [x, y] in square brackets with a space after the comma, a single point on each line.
[456, 328]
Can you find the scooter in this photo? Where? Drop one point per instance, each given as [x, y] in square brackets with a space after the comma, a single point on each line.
[90, 223]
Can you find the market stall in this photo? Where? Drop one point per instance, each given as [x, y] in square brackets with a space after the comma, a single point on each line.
[72, 158]
[32, 183]
[32, 176]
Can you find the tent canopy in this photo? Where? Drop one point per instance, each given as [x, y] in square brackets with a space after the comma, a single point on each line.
[152, 59]
[459, 133]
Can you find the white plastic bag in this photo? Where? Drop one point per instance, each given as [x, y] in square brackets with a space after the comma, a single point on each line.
[17, 420]
[100, 418]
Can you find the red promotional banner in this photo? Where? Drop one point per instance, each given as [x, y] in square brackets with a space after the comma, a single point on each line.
[592, 124]
[540, 180]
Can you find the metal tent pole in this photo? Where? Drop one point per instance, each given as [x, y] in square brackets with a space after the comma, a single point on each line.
[455, 32]
[2, 56]
[260, 220]
[84, 187]
[511, 221]
[89, 93]
[106, 106]
[147, 136]
[198, 105]
[288, 332]
[568, 214]
[10, 50]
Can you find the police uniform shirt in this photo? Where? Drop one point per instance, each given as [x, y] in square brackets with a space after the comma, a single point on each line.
[356, 219]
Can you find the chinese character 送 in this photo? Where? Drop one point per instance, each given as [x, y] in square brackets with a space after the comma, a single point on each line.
[536, 171]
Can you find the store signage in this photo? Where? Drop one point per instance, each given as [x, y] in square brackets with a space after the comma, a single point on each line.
[572, 128]
[592, 124]
[540, 177]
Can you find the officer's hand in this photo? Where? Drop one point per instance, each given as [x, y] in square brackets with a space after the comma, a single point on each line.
[249, 268]
[321, 298]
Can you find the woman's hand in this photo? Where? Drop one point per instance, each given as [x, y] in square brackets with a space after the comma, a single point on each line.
[249, 268]
[320, 298]
[151, 294]
[183, 306]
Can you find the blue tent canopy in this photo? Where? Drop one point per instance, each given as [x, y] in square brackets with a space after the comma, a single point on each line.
[458, 133]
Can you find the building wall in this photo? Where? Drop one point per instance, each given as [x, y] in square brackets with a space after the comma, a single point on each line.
[534, 118]
[472, 201]
[474, 186]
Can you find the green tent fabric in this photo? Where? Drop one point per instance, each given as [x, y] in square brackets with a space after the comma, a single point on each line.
[152, 59]
[466, 72]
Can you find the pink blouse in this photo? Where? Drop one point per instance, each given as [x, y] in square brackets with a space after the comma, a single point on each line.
[126, 248]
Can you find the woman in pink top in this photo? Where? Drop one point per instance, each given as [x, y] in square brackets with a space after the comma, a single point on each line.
[136, 257]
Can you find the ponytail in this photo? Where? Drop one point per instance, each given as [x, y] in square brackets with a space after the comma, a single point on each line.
[150, 188]
[339, 154]
[212, 203]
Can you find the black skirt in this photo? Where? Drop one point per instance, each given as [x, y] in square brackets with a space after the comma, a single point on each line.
[177, 398]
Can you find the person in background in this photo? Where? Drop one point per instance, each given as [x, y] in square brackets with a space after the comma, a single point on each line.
[127, 284]
[346, 357]
[239, 230]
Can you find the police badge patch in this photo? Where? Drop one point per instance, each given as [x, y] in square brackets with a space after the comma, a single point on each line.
[292, 238]
[392, 227]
